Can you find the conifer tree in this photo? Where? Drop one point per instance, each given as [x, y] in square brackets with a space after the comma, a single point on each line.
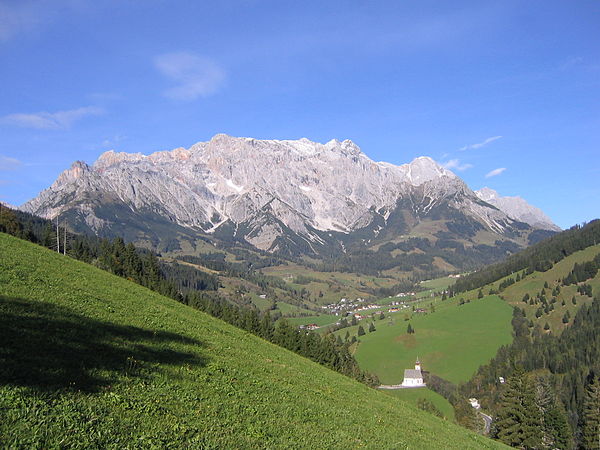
[555, 431]
[266, 327]
[361, 330]
[519, 422]
[556, 428]
[8, 222]
[591, 415]
[371, 327]
[467, 416]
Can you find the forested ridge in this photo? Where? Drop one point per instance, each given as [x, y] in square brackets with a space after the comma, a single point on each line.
[184, 284]
[565, 368]
[539, 257]
[543, 389]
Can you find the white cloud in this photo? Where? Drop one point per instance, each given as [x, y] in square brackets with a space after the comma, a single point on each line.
[480, 144]
[7, 163]
[195, 76]
[455, 164]
[58, 120]
[495, 172]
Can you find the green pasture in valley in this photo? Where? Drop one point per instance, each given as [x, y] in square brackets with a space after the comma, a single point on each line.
[451, 342]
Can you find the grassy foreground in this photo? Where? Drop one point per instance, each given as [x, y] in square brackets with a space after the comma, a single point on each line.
[91, 360]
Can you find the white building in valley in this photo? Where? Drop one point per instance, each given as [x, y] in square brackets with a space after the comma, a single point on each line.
[413, 377]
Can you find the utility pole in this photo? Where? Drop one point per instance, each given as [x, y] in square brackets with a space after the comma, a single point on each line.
[65, 240]
[57, 236]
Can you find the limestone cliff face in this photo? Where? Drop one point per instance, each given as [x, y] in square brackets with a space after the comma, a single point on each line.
[269, 188]
[518, 209]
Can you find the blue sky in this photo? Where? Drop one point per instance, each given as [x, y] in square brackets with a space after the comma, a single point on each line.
[506, 94]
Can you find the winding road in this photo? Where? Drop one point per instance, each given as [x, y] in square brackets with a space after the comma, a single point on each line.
[488, 422]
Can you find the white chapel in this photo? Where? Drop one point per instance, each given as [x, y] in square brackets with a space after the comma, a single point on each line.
[413, 377]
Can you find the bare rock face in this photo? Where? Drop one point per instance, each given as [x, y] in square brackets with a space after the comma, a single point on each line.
[518, 209]
[263, 190]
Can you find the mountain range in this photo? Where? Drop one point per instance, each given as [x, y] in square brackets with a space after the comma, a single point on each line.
[286, 197]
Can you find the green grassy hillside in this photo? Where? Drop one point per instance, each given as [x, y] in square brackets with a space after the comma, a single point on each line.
[533, 284]
[88, 359]
[414, 395]
[452, 342]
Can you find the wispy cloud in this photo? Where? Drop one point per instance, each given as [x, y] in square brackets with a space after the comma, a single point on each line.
[195, 76]
[22, 16]
[495, 172]
[7, 163]
[16, 17]
[112, 142]
[455, 164]
[58, 120]
[571, 62]
[480, 144]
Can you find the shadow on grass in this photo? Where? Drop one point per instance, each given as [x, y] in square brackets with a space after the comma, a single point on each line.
[50, 347]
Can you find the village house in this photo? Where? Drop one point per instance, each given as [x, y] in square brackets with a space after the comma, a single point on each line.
[474, 403]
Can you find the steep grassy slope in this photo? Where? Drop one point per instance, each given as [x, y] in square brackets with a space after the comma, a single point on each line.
[91, 360]
[534, 283]
[414, 395]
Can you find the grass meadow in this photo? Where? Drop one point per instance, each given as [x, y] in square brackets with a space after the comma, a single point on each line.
[414, 395]
[452, 342]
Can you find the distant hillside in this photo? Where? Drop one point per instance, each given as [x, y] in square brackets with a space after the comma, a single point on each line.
[554, 287]
[88, 359]
[539, 257]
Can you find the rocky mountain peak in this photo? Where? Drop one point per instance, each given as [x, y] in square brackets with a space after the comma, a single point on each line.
[110, 158]
[518, 209]
[487, 194]
[424, 169]
[266, 187]
[77, 170]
